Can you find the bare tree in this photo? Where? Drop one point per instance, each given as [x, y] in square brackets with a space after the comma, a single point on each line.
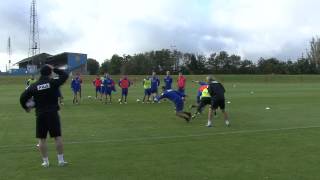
[314, 53]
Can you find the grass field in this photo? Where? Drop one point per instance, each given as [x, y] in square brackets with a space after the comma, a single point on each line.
[146, 141]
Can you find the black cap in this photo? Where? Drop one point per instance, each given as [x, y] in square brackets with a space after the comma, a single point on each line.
[45, 70]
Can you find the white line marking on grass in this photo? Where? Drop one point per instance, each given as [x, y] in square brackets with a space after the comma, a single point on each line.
[166, 137]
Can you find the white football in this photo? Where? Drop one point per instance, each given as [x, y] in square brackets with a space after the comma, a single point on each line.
[138, 100]
[119, 100]
[30, 103]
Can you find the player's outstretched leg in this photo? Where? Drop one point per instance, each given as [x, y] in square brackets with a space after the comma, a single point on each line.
[188, 114]
[200, 108]
[185, 115]
[193, 106]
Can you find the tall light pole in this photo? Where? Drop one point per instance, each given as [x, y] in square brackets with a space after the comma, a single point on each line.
[176, 59]
[34, 39]
[9, 54]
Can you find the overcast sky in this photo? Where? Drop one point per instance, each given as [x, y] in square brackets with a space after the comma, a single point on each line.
[100, 28]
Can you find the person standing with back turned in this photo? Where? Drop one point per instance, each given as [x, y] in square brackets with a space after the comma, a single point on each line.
[216, 91]
[46, 107]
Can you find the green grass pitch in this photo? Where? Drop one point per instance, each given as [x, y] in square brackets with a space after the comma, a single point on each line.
[147, 141]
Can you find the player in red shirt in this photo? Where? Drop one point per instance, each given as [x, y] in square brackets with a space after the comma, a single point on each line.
[97, 84]
[124, 83]
[181, 83]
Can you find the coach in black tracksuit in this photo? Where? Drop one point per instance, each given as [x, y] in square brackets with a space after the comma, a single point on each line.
[216, 91]
[44, 93]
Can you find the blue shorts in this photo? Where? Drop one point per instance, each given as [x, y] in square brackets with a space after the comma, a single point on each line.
[168, 87]
[125, 91]
[154, 90]
[147, 92]
[181, 90]
[98, 88]
[198, 96]
[103, 89]
[75, 90]
[179, 106]
[108, 91]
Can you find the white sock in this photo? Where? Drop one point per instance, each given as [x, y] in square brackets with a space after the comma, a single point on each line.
[45, 160]
[60, 158]
[209, 122]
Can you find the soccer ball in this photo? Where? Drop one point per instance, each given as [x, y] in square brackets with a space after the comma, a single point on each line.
[30, 103]
[138, 100]
[119, 100]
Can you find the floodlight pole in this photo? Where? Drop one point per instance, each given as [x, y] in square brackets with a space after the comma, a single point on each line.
[9, 53]
[34, 39]
[176, 60]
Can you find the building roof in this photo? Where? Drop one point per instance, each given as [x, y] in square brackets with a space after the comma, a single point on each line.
[37, 58]
[43, 57]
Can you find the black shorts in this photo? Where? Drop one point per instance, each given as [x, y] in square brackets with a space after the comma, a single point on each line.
[218, 103]
[203, 102]
[48, 122]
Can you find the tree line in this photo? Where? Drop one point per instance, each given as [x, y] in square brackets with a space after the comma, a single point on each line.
[175, 61]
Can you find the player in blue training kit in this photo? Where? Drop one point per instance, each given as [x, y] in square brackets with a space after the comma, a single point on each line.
[155, 83]
[76, 86]
[168, 81]
[110, 86]
[177, 98]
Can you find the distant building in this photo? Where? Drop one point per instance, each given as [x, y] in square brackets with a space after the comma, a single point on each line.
[31, 65]
[71, 62]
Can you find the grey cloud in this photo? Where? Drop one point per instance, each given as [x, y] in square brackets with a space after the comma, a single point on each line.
[187, 24]
[15, 18]
[200, 38]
